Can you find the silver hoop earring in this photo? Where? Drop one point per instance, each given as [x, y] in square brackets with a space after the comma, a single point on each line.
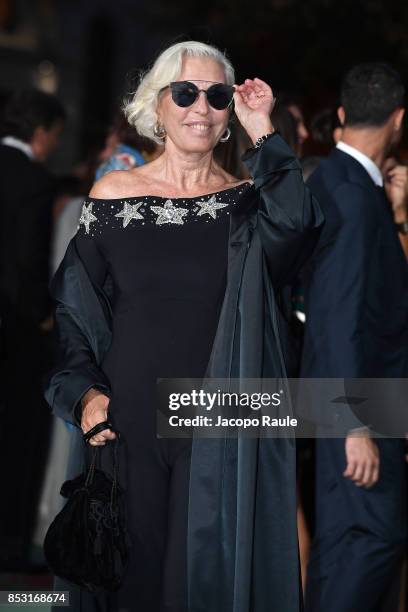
[159, 131]
[226, 135]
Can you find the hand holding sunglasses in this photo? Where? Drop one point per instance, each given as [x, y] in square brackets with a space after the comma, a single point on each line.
[254, 102]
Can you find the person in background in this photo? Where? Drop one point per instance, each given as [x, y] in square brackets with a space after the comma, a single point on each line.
[356, 298]
[396, 187]
[326, 132]
[229, 154]
[125, 149]
[31, 125]
[326, 128]
[293, 105]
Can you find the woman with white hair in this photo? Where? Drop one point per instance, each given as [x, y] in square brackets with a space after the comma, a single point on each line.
[197, 260]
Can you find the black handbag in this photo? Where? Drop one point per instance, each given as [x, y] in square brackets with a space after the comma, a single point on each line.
[87, 543]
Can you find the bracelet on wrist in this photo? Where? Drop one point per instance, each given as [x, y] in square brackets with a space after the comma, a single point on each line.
[402, 227]
[259, 141]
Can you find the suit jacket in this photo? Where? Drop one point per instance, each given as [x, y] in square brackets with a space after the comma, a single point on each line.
[26, 196]
[356, 284]
[242, 538]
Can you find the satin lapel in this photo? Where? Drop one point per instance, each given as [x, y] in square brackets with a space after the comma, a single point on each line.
[242, 224]
[247, 364]
[213, 480]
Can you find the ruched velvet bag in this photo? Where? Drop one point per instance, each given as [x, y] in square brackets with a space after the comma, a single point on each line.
[87, 543]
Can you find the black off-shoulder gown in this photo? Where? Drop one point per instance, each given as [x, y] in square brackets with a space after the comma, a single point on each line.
[167, 259]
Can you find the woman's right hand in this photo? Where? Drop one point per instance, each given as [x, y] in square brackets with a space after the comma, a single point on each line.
[95, 410]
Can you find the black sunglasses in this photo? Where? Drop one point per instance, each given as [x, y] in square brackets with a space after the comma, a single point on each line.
[185, 93]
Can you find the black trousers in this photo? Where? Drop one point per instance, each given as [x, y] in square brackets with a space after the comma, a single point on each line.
[360, 533]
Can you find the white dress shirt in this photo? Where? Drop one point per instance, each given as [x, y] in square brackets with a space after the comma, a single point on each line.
[11, 141]
[367, 163]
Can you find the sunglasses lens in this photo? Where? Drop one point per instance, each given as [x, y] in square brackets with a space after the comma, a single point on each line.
[220, 95]
[184, 94]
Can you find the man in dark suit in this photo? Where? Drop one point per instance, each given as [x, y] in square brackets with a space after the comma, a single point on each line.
[356, 296]
[31, 124]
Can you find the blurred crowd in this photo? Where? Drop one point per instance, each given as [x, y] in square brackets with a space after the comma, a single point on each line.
[39, 214]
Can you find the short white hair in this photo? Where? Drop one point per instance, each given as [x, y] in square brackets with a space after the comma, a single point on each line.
[141, 109]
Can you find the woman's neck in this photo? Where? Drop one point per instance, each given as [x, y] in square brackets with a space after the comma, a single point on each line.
[188, 172]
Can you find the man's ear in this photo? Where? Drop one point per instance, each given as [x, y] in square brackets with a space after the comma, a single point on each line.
[341, 113]
[39, 133]
[37, 140]
[398, 117]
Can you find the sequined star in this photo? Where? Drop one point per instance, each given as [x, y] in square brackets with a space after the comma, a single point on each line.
[129, 212]
[168, 213]
[87, 217]
[210, 207]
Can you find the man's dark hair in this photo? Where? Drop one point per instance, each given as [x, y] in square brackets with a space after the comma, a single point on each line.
[27, 109]
[370, 93]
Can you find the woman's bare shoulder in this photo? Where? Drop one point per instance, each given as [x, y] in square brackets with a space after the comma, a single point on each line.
[120, 184]
[233, 181]
[238, 182]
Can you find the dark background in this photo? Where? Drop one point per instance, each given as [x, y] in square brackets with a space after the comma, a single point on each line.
[90, 51]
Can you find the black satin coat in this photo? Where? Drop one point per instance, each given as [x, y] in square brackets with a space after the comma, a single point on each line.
[242, 536]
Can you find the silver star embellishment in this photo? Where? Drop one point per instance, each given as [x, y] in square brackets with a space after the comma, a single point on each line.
[87, 217]
[210, 207]
[129, 212]
[169, 213]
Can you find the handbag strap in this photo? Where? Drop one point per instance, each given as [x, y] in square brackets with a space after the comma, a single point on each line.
[95, 452]
[96, 429]
[114, 488]
[91, 471]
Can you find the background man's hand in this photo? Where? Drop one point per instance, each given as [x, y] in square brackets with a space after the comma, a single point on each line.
[396, 188]
[363, 459]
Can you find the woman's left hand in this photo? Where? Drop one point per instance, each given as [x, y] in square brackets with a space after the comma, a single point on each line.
[254, 102]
